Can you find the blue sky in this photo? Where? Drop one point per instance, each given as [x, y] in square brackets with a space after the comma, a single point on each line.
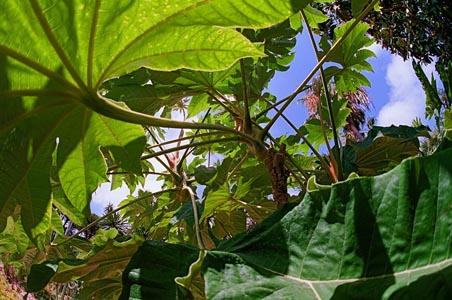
[396, 94]
[395, 91]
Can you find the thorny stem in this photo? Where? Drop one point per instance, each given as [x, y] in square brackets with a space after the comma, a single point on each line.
[301, 87]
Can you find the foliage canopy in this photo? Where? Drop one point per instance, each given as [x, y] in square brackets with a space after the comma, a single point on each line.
[88, 93]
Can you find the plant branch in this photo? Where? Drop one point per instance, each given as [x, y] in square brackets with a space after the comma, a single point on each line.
[195, 215]
[335, 158]
[185, 138]
[333, 48]
[166, 156]
[109, 214]
[276, 104]
[305, 140]
[246, 118]
[197, 144]
[193, 137]
[236, 168]
[107, 108]
[228, 109]
[147, 173]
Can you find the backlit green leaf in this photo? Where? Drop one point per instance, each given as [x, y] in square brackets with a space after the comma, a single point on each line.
[351, 55]
[56, 56]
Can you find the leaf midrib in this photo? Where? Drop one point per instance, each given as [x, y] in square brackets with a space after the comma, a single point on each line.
[139, 37]
[438, 266]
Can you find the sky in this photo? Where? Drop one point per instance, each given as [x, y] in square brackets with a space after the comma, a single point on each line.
[396, 94]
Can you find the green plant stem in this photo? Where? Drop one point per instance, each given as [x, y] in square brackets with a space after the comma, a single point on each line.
[108, 214]
[104, 106]
[92, 40]
[197, 144]
[335, 159]
[114, 167]
[247, 126]
[174, 174]
[305, 140]
[276, 104]
[299, 89]
[193, 137]
[147, 173]
[55, 44]
[196, 217]
[237, 167]
[228, 109]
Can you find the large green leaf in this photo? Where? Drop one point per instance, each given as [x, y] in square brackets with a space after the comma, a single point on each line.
[152, 271]
[103, 266]
[13, 241]
[55, 55]
[351, 55]
[448, 124]
[368, 238]
[384, 237]
[315, 129]
[382, 149]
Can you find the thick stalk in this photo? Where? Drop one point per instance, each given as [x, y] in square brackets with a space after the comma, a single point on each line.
[104, 106]
[310, 146]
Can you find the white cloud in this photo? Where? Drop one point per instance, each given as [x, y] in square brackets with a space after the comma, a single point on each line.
[406, 98]
[377, 49]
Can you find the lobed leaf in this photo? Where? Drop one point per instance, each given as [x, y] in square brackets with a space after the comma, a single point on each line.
[384, 237]
[351, 55]
[54, 57]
